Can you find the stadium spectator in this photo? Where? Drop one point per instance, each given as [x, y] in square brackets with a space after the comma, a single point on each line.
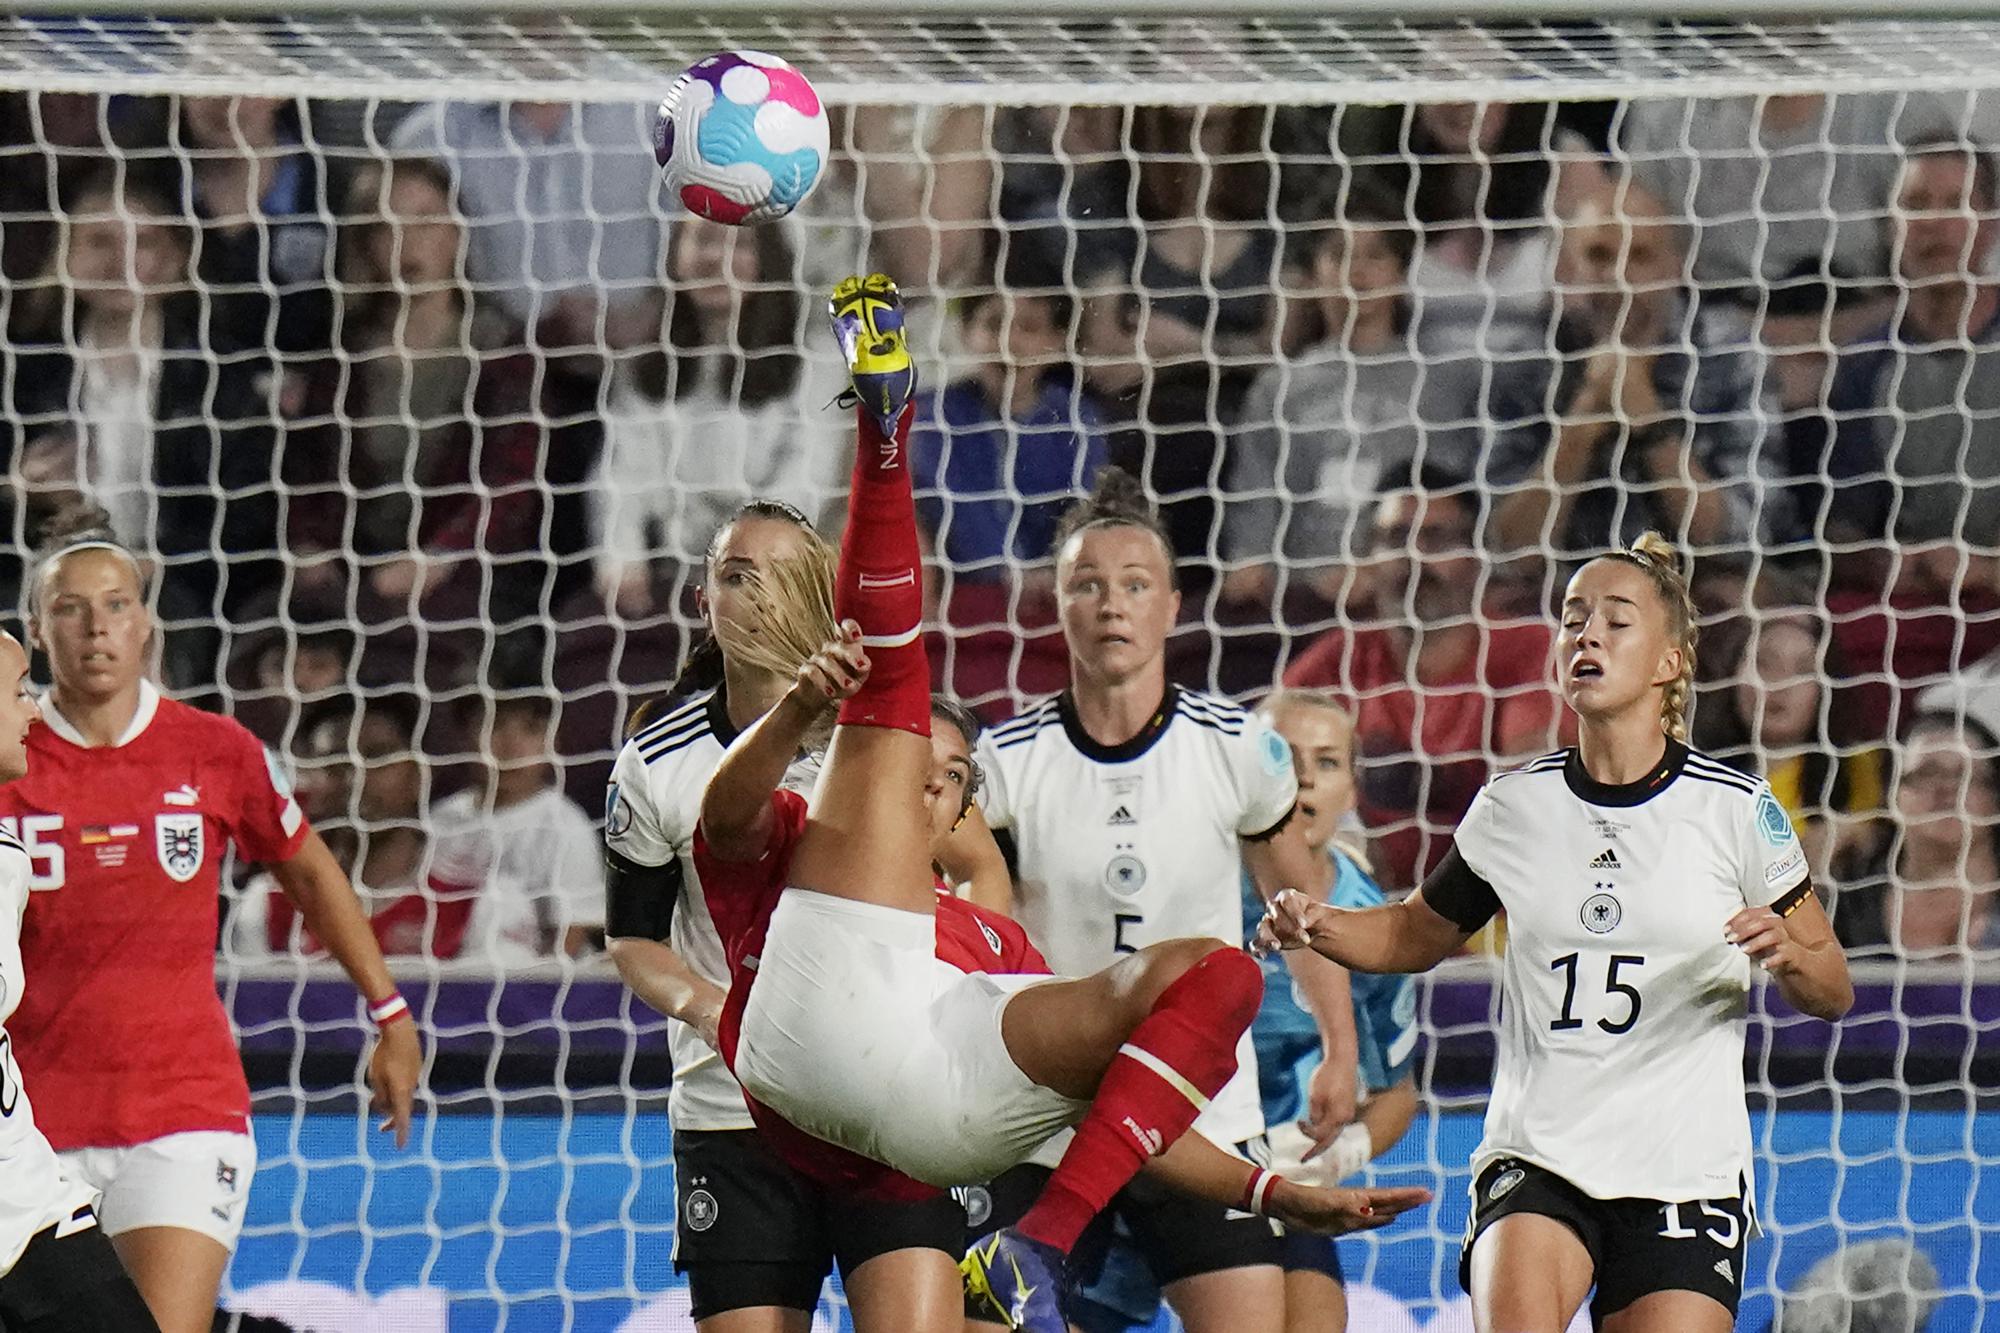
[1445, 685]
[1936, 889]
[1181, 316]
[435, 453]
[1318, 431]
[1773, 716]
[998, 453]
[1477, 177]
[1775, 185]
[730, 407]
[261, 203]
[1800, 327]
[563, 207]
[1647, 415]
[1917, 404]
[515, 872]
[115, 397]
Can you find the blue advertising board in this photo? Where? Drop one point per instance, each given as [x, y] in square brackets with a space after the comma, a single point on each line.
[533, 1222]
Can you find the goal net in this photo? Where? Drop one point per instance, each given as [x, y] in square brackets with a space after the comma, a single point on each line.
[372, 331]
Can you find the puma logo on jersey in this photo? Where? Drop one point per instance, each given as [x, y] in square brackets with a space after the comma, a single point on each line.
[1606, 860]
[1122, 815]
[1724, 1267]
[1151, 1140]
[186, 794]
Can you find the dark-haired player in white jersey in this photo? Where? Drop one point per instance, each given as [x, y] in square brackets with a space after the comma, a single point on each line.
[1640, 880]
[58, 1273]
[755, 1238]
[1135, 808]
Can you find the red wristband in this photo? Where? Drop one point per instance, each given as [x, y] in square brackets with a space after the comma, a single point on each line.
[1256, 1190]
[385, 1012]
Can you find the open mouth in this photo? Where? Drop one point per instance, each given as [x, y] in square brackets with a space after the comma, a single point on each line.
[1586, 671]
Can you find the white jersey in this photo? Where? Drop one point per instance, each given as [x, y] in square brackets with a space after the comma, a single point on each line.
[650, 819]
[1623, 1007]
[1125, 846]
[34, 1194]
[537, 865]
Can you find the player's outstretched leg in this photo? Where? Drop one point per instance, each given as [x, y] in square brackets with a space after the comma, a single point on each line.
[869, 839]
[1147, 1042]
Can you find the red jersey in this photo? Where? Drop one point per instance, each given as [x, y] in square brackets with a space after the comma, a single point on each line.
[742, 895]
[121, 1034]
[1420, 748]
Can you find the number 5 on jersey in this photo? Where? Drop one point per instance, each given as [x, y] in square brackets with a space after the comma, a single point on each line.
[1568, 964]
[41, 837]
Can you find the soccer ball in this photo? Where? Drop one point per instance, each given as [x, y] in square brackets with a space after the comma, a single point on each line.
[742, 138]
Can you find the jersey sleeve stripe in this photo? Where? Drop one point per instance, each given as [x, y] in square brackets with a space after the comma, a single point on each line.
[675, 744]
[1209, 720]
[1220, 709]
[659, 725]
[1026, 724]
[9, 840]
[1546, 764]
[1727, 777]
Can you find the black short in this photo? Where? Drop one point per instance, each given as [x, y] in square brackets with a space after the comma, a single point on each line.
[1308, 1253]
[71, 1283]
[752, 1232]
[1637, 1246]
[1178, 1236]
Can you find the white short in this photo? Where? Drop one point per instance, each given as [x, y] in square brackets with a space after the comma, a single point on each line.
[198, 1181]
[858, 1034]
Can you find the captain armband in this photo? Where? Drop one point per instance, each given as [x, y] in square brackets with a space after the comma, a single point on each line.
[639, 899]
[1793, 898]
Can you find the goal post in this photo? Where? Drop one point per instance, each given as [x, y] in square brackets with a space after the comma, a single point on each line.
[1190, 203]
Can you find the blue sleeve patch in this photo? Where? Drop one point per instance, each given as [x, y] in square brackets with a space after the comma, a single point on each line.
[1772, 819]
[617, 814]
[1277, 755]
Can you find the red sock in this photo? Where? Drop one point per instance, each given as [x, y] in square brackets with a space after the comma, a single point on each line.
[1163, 1076]
[880, 584]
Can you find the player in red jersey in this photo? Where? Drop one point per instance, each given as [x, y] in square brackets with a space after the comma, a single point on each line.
[125, 815]
[842, 1018]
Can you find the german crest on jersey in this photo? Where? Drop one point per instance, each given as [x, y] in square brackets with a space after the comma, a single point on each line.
[178, 840]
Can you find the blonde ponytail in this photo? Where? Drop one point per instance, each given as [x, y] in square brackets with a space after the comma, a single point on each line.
[1662, 563]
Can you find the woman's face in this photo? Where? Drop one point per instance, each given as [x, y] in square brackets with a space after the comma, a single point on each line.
[1615, 651]
[91, 620]
[712, 263]
[1944, 794]
[1460, 126]
[748, 548]
[1322, 741]
[1358, 268]
[392, 780]
[227, 122]
[121, 254]
[1779, 695]
[418, 240]
[950, 779]
[1117, 601]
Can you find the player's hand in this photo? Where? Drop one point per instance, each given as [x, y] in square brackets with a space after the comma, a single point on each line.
[394, 1068]
[1291, 920]
[1335, 1211]
[836, 671]
[1761, 933]
[1330, 1105]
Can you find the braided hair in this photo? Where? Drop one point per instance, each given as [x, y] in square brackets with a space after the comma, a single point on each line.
[1656, 557]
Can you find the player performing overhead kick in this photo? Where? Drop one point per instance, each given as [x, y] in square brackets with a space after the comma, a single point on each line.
[1640, 880]
[842, 1019]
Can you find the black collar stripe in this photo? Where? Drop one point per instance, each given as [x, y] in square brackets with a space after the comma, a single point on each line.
[660, 742]
[1661, 777]
[1125, 751]
[718, 717]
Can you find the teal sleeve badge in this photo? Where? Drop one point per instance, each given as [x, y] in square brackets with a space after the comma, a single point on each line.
[1772, 819]
[1277, 754]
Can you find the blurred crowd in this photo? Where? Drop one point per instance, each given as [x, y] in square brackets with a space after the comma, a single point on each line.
[424, 416]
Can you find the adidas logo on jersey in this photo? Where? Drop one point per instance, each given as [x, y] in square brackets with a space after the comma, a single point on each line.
[1122, 815]
[1724, 1267]
[1606, 860]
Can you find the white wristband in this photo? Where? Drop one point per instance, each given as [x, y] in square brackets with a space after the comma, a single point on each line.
[1353, 1148]
[389, 1010]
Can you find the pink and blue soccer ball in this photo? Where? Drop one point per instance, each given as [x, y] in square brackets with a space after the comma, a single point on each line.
[742, 138]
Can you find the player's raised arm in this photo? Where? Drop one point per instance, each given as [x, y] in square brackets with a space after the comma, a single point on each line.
[736, 814]
[317, 886]
[1409, 936]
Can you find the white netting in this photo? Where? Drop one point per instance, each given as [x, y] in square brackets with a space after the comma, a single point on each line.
[431, 409]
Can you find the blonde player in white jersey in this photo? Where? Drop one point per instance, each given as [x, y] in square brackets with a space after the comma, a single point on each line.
[58, 1273]
[754, 1238]
[1135, 807]
[1641, 880]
